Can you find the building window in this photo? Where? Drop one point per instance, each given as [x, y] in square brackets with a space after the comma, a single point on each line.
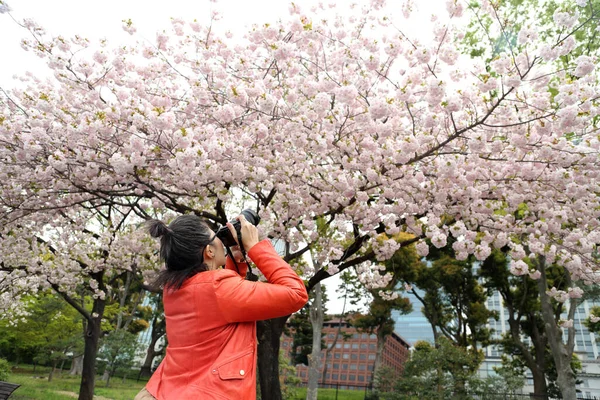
[354, 356]
[361, 378]
[364, 336]
[352, 377]
[372, 346]
[336, 366]
[353, 366]
[338, 345]
[355, 345]
[343, 377]
[373, 336]
[336, 356]
[346, 356]
[371, 356]
[334, 376]
[363, 346]
[344, 366]
[362, 356]
[362, 367]
[346, 345]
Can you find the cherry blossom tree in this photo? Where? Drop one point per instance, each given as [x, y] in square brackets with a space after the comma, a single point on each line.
[79, 256]
[346, 120]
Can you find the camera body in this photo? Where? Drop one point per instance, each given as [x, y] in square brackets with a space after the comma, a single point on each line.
[225, 234]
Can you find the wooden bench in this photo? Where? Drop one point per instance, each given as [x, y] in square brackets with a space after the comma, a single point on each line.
[6, 389]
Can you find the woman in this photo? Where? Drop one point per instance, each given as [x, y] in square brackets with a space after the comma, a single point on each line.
[211, 312]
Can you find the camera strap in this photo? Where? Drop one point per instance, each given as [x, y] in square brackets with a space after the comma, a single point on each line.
[250, 276]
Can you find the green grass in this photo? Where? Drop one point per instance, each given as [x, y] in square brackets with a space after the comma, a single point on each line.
[329, 394]
[65, 387]
[35, 386]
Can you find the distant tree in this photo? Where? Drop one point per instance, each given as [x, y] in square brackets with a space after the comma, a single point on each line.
[453, 301]
[288, 379]
[300, 330]
[521, 301]
[158, 329]
[435, 372]
[49, 332]
[118, 349]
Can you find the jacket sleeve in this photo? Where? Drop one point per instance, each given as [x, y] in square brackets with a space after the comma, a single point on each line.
[240, 300]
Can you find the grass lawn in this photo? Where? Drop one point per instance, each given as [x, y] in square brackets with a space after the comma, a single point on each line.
[329, 394]
[35, 386]
[65, 387]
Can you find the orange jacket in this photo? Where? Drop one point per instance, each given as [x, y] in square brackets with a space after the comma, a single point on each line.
[211, 328]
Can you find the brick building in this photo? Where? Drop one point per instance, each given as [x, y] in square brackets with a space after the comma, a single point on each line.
[351, 361]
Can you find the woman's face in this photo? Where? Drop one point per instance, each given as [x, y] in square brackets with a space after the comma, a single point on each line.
[214, 253]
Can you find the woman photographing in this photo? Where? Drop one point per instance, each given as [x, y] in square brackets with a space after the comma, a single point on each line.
[211, 312]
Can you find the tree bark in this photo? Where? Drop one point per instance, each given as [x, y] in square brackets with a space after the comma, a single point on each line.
[379, 355]
[314, 360]
[537, 364]
[52, 370]
[561, 353]
[335, 339]
[77, 365]
[269, 334]
[92, 337]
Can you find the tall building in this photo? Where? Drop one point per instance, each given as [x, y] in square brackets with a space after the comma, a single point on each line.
[351, 361]
[413, 326]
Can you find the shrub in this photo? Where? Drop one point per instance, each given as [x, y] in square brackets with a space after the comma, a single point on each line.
[4, 369]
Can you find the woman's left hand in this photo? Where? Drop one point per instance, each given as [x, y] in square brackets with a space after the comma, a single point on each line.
[237, 254]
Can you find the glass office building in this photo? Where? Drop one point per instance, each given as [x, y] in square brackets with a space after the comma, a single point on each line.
[413, 326]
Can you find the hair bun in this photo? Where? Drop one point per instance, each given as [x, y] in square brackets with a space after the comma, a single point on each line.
[157, 228]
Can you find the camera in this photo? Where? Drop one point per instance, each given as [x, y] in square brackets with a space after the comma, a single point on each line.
[225, 234]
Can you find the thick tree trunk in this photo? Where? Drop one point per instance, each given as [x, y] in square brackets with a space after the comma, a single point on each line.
[379, 354]
[537, 363]
[314, 360]
[77, 365]
[269, 334]
[561, 353]
[92, 337]
[540, 388]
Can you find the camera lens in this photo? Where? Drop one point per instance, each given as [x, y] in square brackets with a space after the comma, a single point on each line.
[225, 234]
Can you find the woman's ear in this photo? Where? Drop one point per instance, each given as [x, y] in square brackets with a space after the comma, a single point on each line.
[209, 252]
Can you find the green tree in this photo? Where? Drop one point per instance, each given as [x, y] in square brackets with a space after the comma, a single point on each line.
[118, 350]
[158, 329]
[49, 333]
[454, 302]
[435, 371]
[521, 301]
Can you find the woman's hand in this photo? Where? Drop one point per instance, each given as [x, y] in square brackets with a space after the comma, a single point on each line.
[237, 254]
[249, 233]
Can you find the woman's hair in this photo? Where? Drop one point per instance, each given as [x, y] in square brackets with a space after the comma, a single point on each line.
[182, 245]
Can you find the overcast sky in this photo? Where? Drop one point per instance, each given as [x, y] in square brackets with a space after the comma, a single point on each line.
[102, 19]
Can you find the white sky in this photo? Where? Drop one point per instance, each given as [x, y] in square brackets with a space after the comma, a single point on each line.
[102, 19]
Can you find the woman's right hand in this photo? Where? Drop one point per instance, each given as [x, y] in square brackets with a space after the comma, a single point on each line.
[249, 233]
